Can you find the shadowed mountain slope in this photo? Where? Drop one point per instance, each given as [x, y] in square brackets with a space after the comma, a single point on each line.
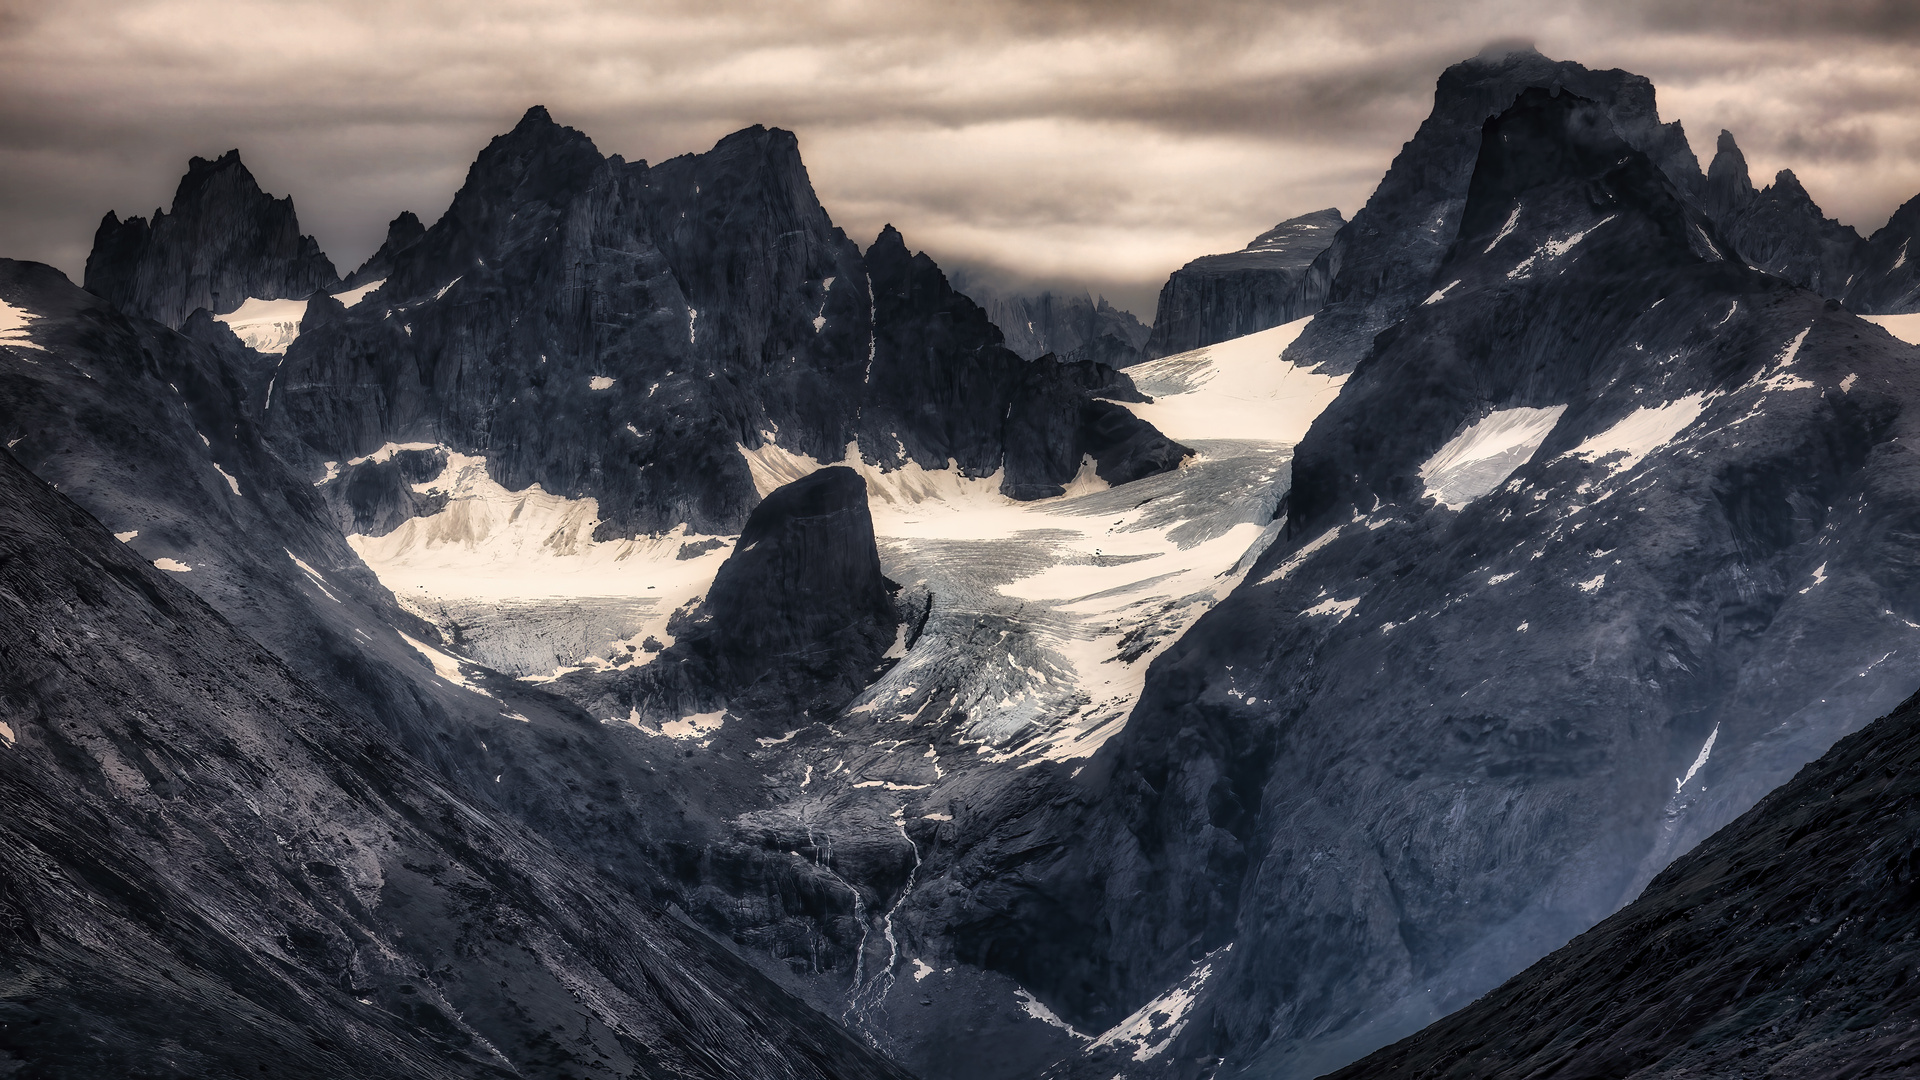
[1781, 946]
[211, 872]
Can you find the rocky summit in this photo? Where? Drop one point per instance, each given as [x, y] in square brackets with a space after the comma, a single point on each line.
[1271, 281]
[627, 626]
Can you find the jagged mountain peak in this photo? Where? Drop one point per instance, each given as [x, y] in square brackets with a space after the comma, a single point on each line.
[1889, 279]
[1318, 226]
[537, 154]
[222, 242]
[404, 231]
[888, 241]
[1788, 184]
[1729, 188]
[1382, 264]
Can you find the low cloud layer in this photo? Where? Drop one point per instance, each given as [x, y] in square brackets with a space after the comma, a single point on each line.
[1074, 142]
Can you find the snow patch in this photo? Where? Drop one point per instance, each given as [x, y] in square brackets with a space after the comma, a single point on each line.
[1294, 560]
[1441, 293]
[312, 574]
[127, 536]
[1506, 230]
[266, 326]
[354, 295]
[600, 382]
[445, 665]
[1481, 457]
[695, 725]
[443, 291]
[1904, 327]
[1819, 578]
[1330, 606]
[174, 565]
[13, 327]
[1592, 584]
[228, 477]
[1032, 1007]
[1237, 389]
[1152, 1028]
[1640, 433]
[1706, 750]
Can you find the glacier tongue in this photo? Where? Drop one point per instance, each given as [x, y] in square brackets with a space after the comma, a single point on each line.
[267, 326]
[519, 574]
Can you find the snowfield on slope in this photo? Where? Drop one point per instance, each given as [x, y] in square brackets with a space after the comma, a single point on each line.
[1045, 615]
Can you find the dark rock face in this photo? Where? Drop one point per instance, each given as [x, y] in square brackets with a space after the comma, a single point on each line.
[622, 331]
[1380, 264]
[374, 498]
[1782, 945]
[1779, 230]
[1729, 188]
[224, 241]
[1072, 326]
[210, 871]
[1218, 297]
[805, 573]
[402, 233]
[1889, 275]
[1438, 732]
[940, 367]
[796, 621]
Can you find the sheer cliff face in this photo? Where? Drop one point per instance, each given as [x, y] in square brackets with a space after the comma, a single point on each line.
[1219, 297]
[622, 331]
[1068, 325]
[224, 241]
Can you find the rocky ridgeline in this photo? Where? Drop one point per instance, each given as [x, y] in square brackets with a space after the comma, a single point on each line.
[1219, 297]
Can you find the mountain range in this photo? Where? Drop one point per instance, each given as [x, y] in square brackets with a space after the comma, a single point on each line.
[626, 626]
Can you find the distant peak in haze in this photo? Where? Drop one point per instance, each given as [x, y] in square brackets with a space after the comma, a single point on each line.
[1498, 50]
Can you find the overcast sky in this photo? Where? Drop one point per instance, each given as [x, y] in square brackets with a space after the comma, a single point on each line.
[1097, 143]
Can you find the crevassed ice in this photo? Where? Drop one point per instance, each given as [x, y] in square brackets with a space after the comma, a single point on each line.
[1070, 576]
[1483, 455]
[267, 326]
[1640, 433]
[523, 571]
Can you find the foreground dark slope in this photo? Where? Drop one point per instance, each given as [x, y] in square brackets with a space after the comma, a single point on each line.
[1782, 946]
[209, 871]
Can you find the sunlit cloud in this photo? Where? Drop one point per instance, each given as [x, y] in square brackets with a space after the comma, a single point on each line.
[1100, 143]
